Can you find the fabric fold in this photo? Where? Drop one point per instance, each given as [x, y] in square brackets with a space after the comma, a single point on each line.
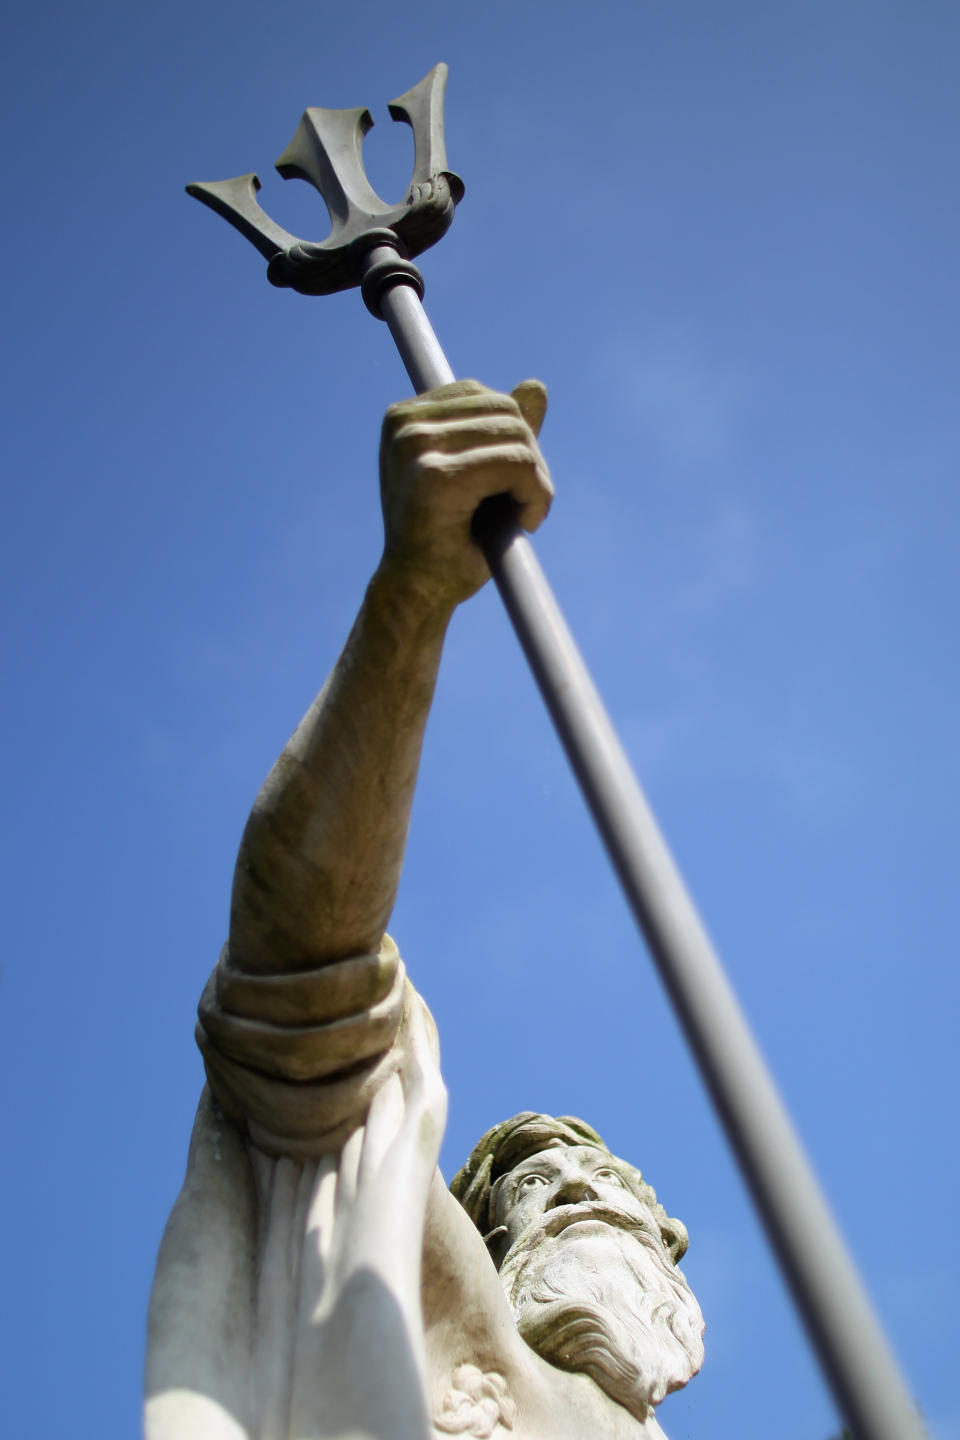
[306, 1051]
[307, 997]
[295, 1060]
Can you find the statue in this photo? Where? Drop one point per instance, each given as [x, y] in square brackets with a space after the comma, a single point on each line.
[312, 1234]
[316, 1277]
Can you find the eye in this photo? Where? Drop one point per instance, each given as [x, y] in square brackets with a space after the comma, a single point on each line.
[531, 1182]
[610, 1177]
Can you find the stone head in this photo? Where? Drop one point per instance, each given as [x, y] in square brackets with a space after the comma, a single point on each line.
[504, 1180]
[587, 1256]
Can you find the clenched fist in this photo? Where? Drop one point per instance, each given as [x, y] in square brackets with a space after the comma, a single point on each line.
[441, 455]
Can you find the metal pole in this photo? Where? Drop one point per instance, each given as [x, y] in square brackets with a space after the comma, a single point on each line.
[852, 1349]
[412, 332]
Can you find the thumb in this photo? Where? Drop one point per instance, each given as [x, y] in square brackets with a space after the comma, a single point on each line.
[531, 397]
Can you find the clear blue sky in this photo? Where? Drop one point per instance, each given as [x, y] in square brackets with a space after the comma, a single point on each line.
[726, 236]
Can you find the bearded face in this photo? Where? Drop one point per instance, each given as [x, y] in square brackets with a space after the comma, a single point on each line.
[589, 1279]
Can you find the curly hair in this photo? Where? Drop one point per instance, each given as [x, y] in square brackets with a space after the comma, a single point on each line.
[511, 1142]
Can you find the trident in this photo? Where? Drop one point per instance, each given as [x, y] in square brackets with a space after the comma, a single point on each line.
[370, 245]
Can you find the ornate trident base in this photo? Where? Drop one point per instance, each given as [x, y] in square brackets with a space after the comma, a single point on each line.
[326, 151]
[371, 245]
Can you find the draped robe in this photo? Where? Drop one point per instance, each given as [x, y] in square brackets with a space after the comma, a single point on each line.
[316, 1278]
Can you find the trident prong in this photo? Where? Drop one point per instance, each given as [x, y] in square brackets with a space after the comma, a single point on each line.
[369, 245]
[327, 151]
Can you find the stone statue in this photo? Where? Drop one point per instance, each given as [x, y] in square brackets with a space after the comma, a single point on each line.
[317, 1278]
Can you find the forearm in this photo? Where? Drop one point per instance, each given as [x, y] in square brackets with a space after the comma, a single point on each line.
[319, 863]
[320, 859]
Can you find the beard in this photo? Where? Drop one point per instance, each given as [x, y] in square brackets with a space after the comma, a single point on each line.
[593, 1290]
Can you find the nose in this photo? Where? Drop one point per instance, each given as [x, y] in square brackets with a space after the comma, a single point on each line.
[572, 1190]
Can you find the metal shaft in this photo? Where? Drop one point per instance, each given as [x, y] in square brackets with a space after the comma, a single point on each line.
[851, 1347]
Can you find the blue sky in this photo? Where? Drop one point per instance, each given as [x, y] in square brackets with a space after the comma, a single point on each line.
[725, 235]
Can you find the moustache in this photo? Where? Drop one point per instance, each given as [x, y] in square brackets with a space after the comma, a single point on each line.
[555, 1221]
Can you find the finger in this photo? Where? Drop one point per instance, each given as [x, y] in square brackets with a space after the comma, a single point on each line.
[463, 397]
[465, 477]
[455, 390]
[511, 469]
[419, 434]
[531, 397]
[533, 514]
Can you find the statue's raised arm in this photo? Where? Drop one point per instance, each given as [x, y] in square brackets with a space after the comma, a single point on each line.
[317, 1278]
[320, 859]
[299, 1022]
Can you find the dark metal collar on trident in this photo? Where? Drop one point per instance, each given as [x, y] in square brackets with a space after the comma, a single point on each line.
[371, 245]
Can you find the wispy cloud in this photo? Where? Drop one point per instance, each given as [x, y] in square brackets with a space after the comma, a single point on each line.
[813, 782]
[723, 559]
[688, 403]
[708, 732]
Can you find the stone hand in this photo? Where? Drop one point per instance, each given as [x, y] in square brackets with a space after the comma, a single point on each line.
[441, 455]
